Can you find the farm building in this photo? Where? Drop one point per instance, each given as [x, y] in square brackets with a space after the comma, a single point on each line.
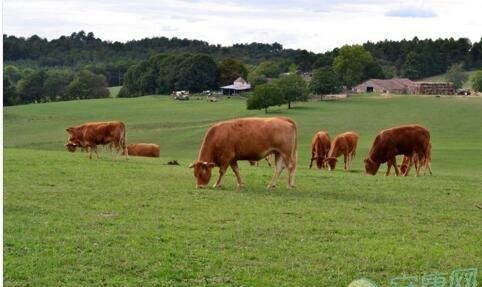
[396, 86]
[405, 86]
[239, 86]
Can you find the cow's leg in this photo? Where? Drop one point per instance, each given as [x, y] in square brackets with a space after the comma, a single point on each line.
[345, 155]
[222, 171]
[312, 159]
[290, 163]
[279, 165]
[235, 168]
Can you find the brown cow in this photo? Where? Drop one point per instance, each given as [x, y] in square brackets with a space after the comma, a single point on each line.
[250, 139]
[89, 135]
[405, 140]
[345, 144]
[418, 162]
[143, 149]
[320, 146]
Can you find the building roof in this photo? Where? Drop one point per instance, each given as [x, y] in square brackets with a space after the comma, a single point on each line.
[388, 84]
[237, 87]
[239, 84]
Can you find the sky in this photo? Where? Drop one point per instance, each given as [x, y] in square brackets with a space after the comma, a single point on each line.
[317, 26]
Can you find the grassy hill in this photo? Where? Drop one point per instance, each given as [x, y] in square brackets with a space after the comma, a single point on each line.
[441, 78]
[72, 221]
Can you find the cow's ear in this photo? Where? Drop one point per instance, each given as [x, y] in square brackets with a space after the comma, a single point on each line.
[69, 130]
[192, 165]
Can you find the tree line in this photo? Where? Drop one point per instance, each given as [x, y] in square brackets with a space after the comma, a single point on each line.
[49, 85]
[40, 70]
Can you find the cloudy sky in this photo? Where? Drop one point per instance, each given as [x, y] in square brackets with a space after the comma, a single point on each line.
[307, 24]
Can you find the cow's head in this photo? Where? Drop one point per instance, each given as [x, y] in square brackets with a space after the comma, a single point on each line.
[320, 162]
[71, 146]
[371, 167]
[202, 172]
[71, 133]
[331, 161]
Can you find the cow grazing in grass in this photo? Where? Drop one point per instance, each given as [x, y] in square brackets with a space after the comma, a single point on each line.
[250, 139]
[143, 149]
[344, 144]
[418, 162]
[90, 135]
[404, 140]
[320, 146]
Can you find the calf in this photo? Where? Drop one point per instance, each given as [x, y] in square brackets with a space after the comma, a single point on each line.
[345, 144]
[320, 146]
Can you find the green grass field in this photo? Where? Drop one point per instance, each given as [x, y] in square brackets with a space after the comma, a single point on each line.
[71, 221]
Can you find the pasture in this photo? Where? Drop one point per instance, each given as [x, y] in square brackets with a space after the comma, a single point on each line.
[71, 221]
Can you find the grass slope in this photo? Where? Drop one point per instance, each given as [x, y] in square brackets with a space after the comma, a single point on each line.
[442, 78]
[69, 221]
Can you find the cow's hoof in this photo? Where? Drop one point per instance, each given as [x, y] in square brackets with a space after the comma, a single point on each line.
[240, 185]
[217, 186]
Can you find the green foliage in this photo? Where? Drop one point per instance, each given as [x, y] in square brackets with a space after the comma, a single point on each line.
[256, 79]
[230, 70]
[413, 66]
[31, 88]
[87, 85]
[456, 75]
[55, 84]
[292, 89]
[268, 69]
[477, 81]
[164, 73]
[10, 96]
[265, 96]
[354, 64]
[325, 81]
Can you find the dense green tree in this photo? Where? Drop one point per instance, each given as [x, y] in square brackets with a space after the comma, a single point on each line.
[476, 81]
[31, 88]
[10, 96]
[265, 96]
[413, 66]
[292, 89]
[352, 63]
[87, 85]
[456, 75]
[256, 79]
[55, 85]
[12, 74]
[197, 73]
[325, 81]
[268, 69]
[230, 70]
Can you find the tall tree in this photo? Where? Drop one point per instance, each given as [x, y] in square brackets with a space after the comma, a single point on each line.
[230, 70]
[264, 96]
[292, 89]
[351, 64]
[325, 81]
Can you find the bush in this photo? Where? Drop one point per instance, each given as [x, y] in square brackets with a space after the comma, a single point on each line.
[477, 81]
